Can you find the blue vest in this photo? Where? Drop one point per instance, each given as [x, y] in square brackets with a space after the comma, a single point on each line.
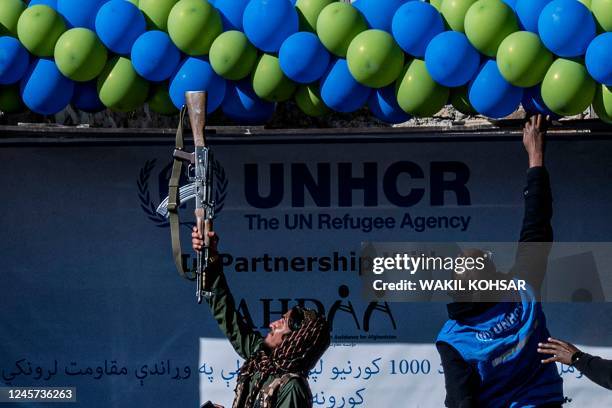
[501, 344]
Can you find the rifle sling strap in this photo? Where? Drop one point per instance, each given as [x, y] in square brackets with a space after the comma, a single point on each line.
[180, 260]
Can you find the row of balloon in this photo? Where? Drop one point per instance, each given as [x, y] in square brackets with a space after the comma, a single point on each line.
[399, 57]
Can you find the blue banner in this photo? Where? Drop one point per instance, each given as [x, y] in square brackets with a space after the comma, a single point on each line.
[91, 298]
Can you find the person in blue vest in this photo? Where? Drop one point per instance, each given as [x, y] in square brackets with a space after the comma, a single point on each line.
[489, 349]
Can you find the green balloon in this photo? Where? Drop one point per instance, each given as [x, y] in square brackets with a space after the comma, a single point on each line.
[603, 103]
[487, 23]
[309, 100]
[567, 88]
[38, 29]
[269, 82]
[156, 12]
[374, 58]
[454, 12]
[337, 25]
[193, 25]
[437, 4]
[79, 55]
[159, 99]
[232, 55]
[417, 93]
[119, 86]
[10, 99]
[602, 11]
[523, 60]
[460, 100]
[308, 12]
[10, 10]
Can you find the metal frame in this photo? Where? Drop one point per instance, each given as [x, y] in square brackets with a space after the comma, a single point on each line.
[35, 135]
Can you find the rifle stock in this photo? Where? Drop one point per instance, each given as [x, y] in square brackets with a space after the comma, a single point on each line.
[196, 106]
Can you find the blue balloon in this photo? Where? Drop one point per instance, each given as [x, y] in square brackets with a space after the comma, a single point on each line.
[534, 104]
[196, 74]
[414, 25]
[14, 60]
[383, 104]
[528, 12]
[566, 27]
[303, 58]
[80, 13]
[50, 3]
[118, 24]
[491, 95]
[231, 12]
[243, 106]
[154, 56]
[451, 60]
[44, 89]
[267, 23]
[340, 91]
[378, 13]
[599, 59]
[86, 98]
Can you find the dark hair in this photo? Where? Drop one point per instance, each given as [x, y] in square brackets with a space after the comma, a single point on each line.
[296, 317]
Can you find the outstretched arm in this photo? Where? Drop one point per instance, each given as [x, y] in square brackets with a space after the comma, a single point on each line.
[595, 368]
[532, 258]
[244, 339]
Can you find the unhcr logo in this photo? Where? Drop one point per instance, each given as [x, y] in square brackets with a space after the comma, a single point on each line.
[508, 323]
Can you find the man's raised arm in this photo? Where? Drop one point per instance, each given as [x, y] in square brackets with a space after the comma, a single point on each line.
[532, 258]
[244, 339]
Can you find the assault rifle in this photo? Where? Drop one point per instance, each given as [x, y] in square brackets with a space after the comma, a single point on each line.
[200, 174]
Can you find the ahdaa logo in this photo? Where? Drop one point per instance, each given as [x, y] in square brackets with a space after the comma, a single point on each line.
[146, 180]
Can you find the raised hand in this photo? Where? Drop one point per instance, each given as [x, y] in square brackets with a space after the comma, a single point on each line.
[197, 241]
[534, 134]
